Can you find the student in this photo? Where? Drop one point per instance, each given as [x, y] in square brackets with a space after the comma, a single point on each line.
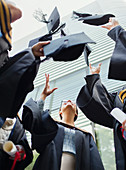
[72, 148]
[96, 103]
[12, 130]
[21, 68]
[39, 123]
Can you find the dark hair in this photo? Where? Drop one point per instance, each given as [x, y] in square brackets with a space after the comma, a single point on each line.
[75, 118]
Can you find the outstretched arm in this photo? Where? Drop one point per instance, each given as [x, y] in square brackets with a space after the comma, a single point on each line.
[42, 127]
[112, 23]
[94, 100]
[33, 111]
[115, 31]
[47, 91]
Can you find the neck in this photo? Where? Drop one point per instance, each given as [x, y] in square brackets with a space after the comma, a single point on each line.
[68, 121]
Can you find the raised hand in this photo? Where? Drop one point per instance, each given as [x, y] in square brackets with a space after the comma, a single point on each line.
[47, 91]
[112, 23]
[95, 70]
[37, 49]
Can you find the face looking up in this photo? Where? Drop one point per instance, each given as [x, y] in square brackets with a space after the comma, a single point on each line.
[68, 107]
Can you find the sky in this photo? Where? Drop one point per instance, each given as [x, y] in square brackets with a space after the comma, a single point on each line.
[28, 24]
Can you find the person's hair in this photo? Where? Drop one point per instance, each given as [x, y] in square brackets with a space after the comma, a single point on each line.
[75, 118]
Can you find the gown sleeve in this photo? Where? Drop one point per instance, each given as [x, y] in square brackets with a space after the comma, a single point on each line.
[42, 127]
[116, 32]
[95, 102]
[94, 153]
[117, 62]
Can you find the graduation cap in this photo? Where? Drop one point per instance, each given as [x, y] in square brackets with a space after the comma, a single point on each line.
[77, 14]
[53, 21]
[53, 25]
[67, 48]
[47, 37]
[16, 81]
[95, 19]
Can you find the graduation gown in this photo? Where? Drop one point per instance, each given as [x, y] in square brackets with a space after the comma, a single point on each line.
[86, 152]
[50, 144]
[40, 125]
[118, 59]
[96, 103]
[18, 137]
[16, 81]
[42, 128]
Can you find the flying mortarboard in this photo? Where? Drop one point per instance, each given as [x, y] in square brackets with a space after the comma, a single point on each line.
[53, 25]
[78, 15]
[53, 21]
[95, 19]
[67, 48]
[47, 37]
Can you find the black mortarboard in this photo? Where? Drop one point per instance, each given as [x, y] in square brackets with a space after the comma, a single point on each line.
[46, 37]
[67, 48]
[87, 51]
[53, 21]
[81, 14]
[94, 19]
[16, 80]
[97, 19]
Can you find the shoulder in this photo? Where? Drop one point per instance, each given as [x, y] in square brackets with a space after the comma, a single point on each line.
[73, 127]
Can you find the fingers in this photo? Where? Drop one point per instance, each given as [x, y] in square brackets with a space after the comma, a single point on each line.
[37, 49]
[110, 19]
[47, 79]
[54, 89]
[104, 26]
[40, 45]
[90, 66]
[99, 65]
[95, 70]
[43, 43]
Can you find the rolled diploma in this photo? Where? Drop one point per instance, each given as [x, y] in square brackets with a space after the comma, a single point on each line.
[10, 148]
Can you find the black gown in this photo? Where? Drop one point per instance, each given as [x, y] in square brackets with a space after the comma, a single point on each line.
[16, 81]
[50, 144]
[42, 128]
[96, 103]
[118, 60]
[18, 137]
